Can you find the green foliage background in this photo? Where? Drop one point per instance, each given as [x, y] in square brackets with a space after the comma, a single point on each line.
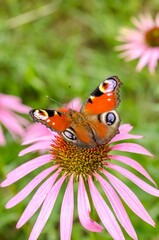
[61, 43]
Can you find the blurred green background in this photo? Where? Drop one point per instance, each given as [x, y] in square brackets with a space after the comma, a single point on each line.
[54, 44]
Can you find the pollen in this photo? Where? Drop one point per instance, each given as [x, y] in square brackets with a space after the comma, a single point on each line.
[78, 161]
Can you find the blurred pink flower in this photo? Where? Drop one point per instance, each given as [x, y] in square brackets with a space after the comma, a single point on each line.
[9, 107]
[141, 42]
[82, 167]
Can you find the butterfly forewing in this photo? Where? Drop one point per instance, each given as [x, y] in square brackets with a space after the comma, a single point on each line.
[104, 98]
[55, 120]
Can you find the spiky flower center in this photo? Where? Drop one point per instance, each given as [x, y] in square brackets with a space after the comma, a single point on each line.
[78, 161]
[152, 37]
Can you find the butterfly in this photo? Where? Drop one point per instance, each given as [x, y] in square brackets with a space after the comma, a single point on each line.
[96, 123]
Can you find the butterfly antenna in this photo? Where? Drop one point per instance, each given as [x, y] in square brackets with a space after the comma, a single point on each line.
[70, 97]
[58, 103]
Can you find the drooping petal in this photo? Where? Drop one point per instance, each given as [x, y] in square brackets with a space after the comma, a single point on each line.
[11, 123]
[134, 164]
[25, 168]
[35, 147]
[124, 136]
[117, 206]
[105, 213]
[133, 53]
[46, 209]
[13, 103]
[153, 60]
[66, 217]
[131, 147]
[139, 182]
[29, 187]
[36, 130]
[129, 197]
[84, 209]
[144, 60]
[39, 139]
[37, 200]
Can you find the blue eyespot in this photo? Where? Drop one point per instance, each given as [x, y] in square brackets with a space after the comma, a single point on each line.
[110, 118]
[69, 134]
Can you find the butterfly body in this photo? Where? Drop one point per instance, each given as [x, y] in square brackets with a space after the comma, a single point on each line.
[95, 124]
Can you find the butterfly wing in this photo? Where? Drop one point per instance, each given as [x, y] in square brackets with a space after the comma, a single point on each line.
[55, 120]
[100, 110]
[104, 98]
[95, 124]
[70, 123]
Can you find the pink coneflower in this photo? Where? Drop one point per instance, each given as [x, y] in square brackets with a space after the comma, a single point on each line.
[9, 107]
[85, 168]
[141, 42]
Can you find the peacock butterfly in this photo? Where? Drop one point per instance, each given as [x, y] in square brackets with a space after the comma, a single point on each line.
[96, 123]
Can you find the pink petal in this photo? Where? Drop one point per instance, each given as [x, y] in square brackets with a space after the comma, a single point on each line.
[105, 213]
[25, 168]
[6, 99]
[46, 209]
[21, 120]
[130, 35]
[36, 130]
[35, 147]
[132, 53]
[157, 20]
[137, 23]
[37, 200]
[129, 197]
[66, 217]
[117, 207]
[39, 139]
[131, 147]
[144, 60]
[11, 123]
[127, 46]
[2, 138]
[125, 128]
[140, 183]
[74, 104]
[13, 103]
[124, 136]
[134, 164]
[30, 187]
[147, 21]
[154, 59]
[84, 209]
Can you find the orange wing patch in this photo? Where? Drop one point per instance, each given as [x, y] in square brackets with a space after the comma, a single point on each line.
[58, 123]
[97, 105]
[104, 98]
